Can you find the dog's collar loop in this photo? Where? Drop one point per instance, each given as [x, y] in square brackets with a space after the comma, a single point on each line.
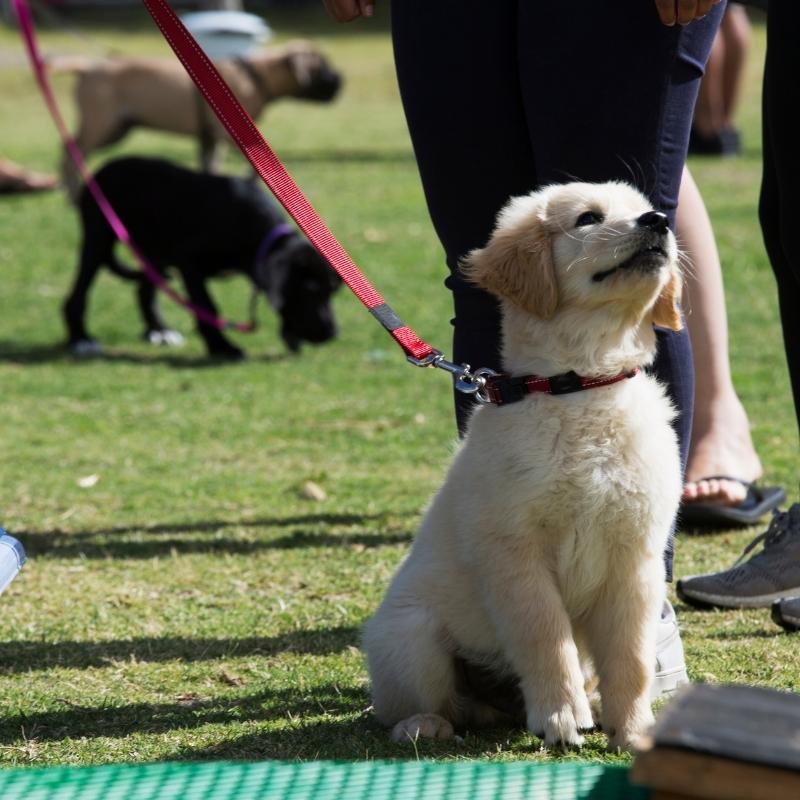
[275, 234]
[503, 389]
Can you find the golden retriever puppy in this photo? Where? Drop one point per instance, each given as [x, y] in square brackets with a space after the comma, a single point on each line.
[541, 557]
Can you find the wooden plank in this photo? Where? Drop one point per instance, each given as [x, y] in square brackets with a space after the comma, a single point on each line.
[731, 742]
[681, 774]
[743, 723]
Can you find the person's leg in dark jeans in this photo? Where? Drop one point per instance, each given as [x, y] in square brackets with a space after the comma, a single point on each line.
[772, 575]
[504, 97]
[458, 74]
[779, 206]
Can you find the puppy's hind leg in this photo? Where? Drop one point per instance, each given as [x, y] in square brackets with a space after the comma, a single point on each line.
[80, 342]
[212, 150]
[156, 330]
[412, 673]
[217, 344]
[70, 177]
[99, 128]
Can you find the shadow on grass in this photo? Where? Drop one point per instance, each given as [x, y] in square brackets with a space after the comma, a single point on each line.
[303, 724]
[150, 541]
[215, 525]
[768, 631]
[364, 738]
[76, 721]
[68, 547]
[25, 656]
[16, 353]
[344, 740]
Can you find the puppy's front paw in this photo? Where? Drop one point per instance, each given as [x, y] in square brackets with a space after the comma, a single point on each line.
[422, 726]
[164, 337]
[626, 742]
[558, 726]
[629, 735]
[585, 716]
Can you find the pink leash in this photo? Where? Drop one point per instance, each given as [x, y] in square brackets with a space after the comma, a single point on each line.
[27, 29]
[244, 132]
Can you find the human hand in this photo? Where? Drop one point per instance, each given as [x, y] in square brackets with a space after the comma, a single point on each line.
[683, 11]
[348, 10]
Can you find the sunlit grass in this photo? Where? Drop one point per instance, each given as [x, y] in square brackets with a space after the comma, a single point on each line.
[193, 603]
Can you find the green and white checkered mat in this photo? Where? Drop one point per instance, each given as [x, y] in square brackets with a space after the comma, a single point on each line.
[323, 780]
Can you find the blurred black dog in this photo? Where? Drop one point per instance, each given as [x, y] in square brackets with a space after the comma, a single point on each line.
[202, 225]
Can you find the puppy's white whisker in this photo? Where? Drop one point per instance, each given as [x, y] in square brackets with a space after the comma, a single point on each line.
[687, 264]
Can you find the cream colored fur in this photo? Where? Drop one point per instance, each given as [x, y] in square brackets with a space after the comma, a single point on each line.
[542, 553]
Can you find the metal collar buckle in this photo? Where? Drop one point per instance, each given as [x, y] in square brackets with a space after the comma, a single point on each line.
[465, 379]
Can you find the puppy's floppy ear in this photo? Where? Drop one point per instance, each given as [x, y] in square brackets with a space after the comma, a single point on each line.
[517, 264]
[666, 311]
[318, 267]
[272, 276]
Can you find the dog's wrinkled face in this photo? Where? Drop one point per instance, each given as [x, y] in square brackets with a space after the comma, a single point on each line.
[582, 245]
[299, 285]
[315, 77]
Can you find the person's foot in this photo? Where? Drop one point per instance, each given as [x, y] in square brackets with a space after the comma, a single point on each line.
[771, 574]
[15, 179]
[725, 142]
[721, 445]
[786, 613]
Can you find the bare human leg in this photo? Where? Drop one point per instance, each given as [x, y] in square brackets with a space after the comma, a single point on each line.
[721, 440]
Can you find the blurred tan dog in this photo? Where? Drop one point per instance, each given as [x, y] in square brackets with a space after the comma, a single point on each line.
[541, 557]
[115, 95]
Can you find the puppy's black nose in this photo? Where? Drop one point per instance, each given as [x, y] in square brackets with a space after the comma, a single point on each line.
[654, 220]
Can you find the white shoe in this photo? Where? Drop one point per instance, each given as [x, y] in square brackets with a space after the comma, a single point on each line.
[165, 337]
[670, 663]
[12, 557]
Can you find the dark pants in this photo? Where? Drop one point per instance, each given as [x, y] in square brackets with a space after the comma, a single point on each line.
[504, 96]
[780, 202]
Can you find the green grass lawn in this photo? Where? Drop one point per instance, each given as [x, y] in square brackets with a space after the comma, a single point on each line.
[193, 603]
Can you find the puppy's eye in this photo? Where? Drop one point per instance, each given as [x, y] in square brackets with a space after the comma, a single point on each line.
[588, 218]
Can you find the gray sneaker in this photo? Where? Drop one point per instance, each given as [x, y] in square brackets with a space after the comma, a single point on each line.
[771, 574]
[670, 663]
[786, 613]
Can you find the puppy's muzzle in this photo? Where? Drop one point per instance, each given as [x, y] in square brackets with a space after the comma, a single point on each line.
[652, 254]
[324, 87]
[655, 221]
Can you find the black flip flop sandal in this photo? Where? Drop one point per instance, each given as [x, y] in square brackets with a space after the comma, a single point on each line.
[758, 502]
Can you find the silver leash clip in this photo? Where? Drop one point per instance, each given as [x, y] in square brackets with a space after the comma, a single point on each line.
[464, 379]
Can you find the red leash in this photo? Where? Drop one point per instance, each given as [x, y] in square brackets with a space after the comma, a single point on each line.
[243, 131]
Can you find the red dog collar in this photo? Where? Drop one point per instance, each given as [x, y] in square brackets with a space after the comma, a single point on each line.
[503, 389]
